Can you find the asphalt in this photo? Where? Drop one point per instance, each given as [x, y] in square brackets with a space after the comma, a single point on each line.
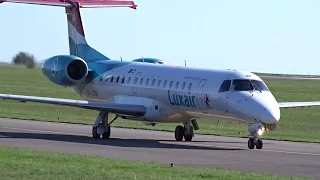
[279, 158]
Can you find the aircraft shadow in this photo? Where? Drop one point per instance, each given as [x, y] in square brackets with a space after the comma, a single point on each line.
[117, 142]
[223, 142]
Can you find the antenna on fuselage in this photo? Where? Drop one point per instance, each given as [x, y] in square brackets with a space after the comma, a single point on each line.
[185, 63]
[121, 58]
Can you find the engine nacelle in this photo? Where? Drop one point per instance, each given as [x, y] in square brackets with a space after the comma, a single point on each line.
[65, 70]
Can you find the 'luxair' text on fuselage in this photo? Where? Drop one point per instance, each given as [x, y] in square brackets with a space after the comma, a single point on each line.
[181, 100]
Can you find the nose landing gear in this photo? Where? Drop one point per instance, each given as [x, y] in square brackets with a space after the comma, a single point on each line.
[256, 130]
[255, 142]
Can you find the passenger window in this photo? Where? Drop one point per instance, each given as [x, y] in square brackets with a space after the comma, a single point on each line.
[190, 85]
[183, 85]
[153, 81]
[177, 85]
[141, 80]
[225, 86]
[159, 82]
[135, 80]
[147, 82]
[170, 85]
[129, 79]
[164, 84]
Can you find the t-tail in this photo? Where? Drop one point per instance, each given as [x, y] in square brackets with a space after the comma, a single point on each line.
[78, 45]
[74, 69]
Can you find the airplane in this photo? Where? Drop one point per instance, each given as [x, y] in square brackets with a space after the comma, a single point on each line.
[151, 91]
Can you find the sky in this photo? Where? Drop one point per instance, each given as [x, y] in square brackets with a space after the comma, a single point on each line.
[258, 36]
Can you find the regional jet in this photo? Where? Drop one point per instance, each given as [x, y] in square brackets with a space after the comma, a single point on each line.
[151, 91]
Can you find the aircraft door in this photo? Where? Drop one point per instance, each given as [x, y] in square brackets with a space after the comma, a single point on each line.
[135, 82]
[201, 98]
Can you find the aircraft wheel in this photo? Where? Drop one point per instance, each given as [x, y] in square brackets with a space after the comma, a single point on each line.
[251, 143]
[188, 135]
[259, 144]
[95, 133]
[178, 133]
[106, 133]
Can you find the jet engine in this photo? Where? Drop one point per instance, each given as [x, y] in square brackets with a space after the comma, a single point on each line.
[65, 70]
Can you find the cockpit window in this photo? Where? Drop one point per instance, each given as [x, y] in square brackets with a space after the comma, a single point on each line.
[225, 86]
[242, 85]
[248, 85]
[260, 85]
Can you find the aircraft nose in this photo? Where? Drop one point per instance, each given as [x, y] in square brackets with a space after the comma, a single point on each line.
[258, 107]
[268, 110]
[269, 114]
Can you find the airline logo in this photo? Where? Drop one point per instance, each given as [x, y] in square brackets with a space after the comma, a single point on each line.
[54, 67]
[181, 100]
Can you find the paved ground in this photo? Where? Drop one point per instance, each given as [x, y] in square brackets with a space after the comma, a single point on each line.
[281, 158]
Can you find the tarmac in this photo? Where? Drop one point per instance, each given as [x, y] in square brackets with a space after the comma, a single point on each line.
[276, 157]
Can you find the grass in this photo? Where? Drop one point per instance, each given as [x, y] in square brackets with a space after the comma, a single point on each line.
[29, 164]
[300, 124]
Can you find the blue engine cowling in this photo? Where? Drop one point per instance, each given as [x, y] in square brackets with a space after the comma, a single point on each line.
[65, 70]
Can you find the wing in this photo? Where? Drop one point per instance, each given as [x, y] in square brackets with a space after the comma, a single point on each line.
[298, 104]
[124, 109]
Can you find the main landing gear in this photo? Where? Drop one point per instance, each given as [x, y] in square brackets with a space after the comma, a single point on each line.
[186, 131]
[102, 127]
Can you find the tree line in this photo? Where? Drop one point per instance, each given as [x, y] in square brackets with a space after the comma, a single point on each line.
[24, 58]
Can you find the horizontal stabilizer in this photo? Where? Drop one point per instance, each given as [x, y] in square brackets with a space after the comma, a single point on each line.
[82, 3]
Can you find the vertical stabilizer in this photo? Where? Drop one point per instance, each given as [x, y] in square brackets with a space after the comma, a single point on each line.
[77, 42]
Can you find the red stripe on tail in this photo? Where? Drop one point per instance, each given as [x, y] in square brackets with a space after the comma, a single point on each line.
[74, 18]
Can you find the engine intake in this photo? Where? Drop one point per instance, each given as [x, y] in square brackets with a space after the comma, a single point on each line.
[77, 69]
[65, 70]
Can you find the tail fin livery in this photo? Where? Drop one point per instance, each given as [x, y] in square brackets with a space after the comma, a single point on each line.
[78, 45]
[77, 42]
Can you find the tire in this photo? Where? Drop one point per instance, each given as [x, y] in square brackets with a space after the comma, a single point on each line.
[178, 133]
[251, 143]
[95, 134]
[188, 136]
[259, 144]
[106, 134]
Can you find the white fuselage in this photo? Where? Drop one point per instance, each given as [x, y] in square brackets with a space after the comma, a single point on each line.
[177, 94]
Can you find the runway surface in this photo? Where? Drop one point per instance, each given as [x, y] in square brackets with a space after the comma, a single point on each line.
[281, 158]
